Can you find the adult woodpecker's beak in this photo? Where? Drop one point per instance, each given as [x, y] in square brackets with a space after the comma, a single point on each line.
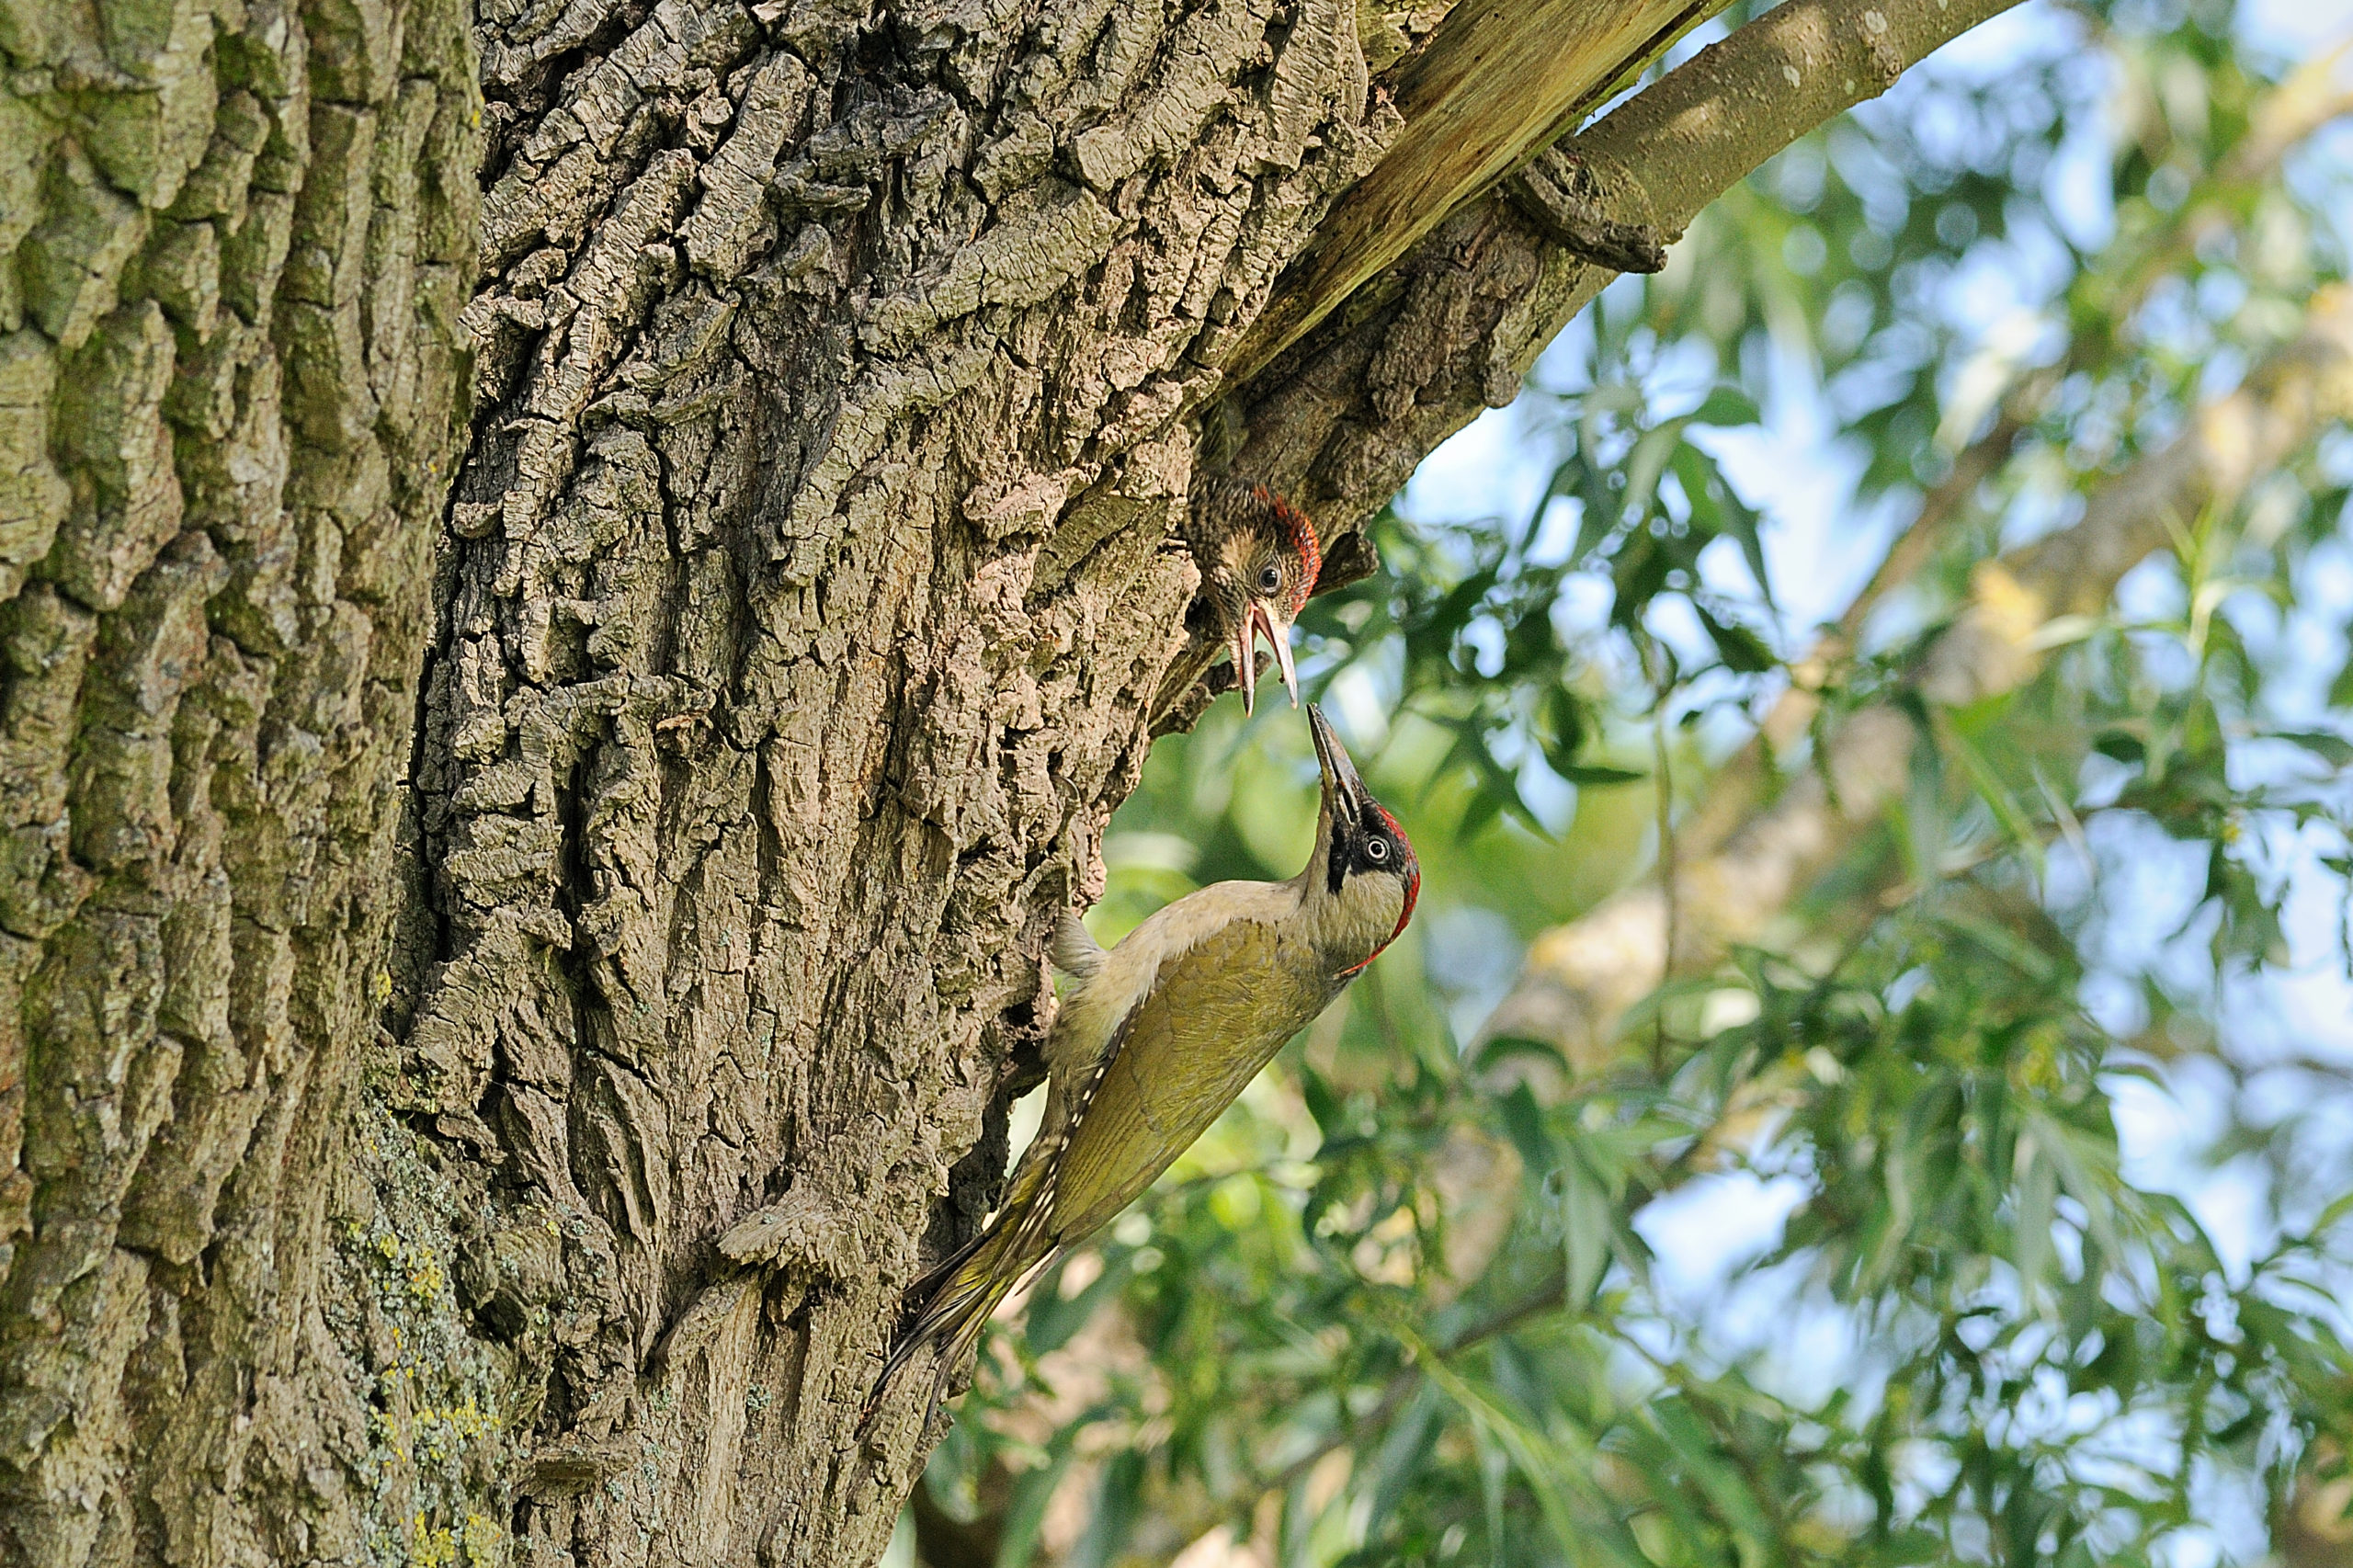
[1257, 619]
[1341, 785]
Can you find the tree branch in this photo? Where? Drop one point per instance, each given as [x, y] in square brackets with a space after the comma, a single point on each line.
[1339, 420]
[1496, 83]
[1556, 192]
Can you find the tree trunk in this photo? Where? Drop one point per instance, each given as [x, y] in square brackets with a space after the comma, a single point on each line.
[230, 395]
[807, 593]
[501, 974]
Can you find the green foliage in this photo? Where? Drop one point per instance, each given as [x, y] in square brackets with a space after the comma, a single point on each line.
[1426, 1294]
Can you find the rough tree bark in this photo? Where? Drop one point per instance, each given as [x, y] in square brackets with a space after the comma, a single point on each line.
[524, 878]
[229, 400]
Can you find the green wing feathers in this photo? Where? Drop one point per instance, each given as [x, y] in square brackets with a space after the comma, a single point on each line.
[1214, 1014]
[973, 1281]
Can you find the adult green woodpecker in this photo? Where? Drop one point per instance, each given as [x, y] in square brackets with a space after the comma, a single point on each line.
[1163, 1031]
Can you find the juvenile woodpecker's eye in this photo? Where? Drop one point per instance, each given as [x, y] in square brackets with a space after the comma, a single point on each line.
[1269, 579]
[1376, 850]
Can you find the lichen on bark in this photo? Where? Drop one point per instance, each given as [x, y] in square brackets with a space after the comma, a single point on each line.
[241, 233]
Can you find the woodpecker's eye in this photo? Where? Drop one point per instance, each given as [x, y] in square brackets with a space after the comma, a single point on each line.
[1376, 850]
[1269, 579]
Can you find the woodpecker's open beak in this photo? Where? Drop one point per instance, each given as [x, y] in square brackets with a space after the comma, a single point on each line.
[1341, 785]
[1257, 619]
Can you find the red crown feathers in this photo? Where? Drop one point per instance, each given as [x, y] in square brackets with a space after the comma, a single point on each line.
[1413, 881]
[1303, 543]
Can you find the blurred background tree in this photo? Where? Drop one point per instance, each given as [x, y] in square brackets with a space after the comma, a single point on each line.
[1871, 1081]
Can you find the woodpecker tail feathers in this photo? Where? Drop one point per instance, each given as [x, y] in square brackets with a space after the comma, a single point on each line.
[969, 1283]
[959, 1295]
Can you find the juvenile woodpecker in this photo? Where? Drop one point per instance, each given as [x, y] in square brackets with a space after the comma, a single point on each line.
[1258, 557]
[1163, 1031]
